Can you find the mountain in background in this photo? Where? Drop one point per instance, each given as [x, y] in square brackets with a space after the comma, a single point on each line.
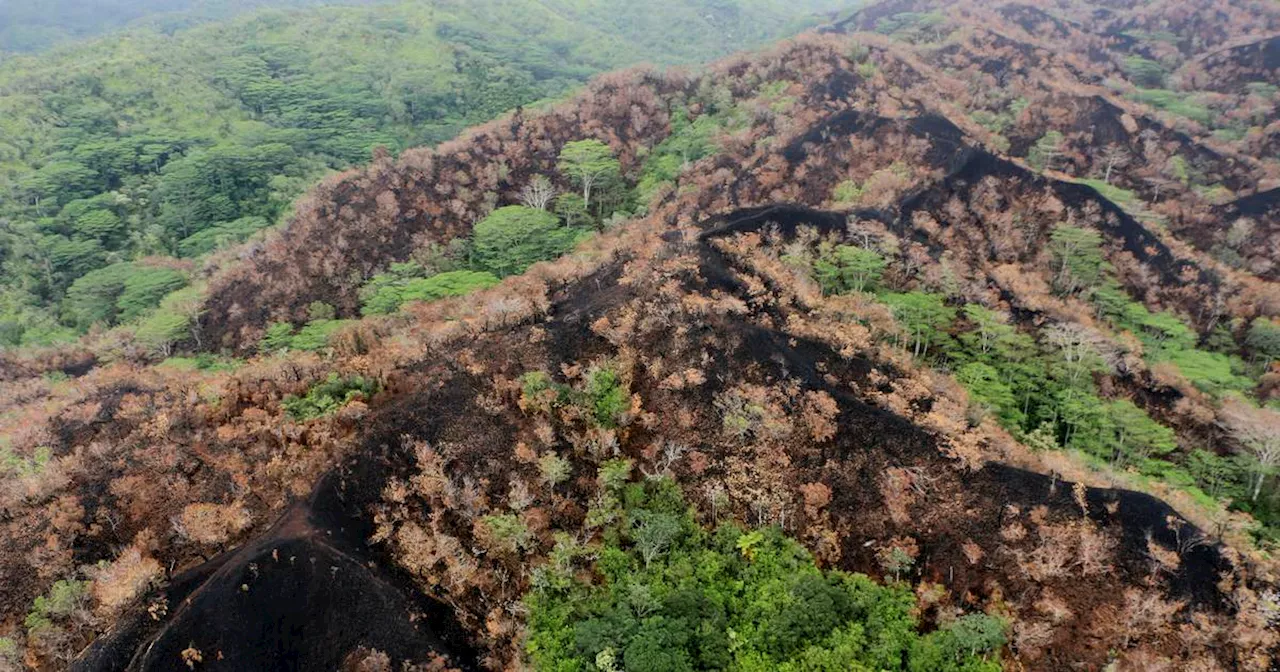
[31, 25]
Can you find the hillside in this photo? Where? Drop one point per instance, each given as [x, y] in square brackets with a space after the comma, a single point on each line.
[128, 158]
[943, 337]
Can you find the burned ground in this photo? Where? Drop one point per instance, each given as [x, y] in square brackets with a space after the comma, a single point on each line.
[303, 596]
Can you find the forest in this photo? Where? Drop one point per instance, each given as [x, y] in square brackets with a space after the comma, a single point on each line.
[943, 336]
[136, 155]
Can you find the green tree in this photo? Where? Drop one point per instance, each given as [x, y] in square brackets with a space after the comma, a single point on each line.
[162, 330]
[990, 331]
[512, 238]
[1263, 339]
[1046, 151]
[986, 388]
[590, 164]
[847, 268]
[144, 288]
[1077, 257]
[1137, 437]
[1144, 72]
[924, 317]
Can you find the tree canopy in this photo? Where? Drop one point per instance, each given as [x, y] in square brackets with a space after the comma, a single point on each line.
[512, 238]
[674, 596]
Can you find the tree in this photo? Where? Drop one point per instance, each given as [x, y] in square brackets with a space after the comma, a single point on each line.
[990, 328]
[589, 164]
[654, 532]
[847, 268]
[1264, 339]
[923, 316]
[512, 238]
[1144, 72]
[1077, 253]
[538, 193]
[663, 594]
[1112, 157]
[1046, 150]
[1137, 437]
[985, 387]
[162, 329]
[1082, 350]
[571, 209]
[1257, 430]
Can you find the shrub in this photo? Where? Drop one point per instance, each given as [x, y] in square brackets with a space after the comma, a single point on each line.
[119, 582]
[606, 398]
[278, 337]
[554, 469]
[315, 334]
[65, 598]
[328, 396]
[387, 292]
[603, 398]
[208, 523]
[847, 193]
[505, 533]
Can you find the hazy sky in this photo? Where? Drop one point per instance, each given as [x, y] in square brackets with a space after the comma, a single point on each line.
[32, 25]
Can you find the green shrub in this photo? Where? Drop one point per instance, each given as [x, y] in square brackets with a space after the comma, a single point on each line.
[847, 193]
[385, 293]
[1174, 102]
[64, 598]
[201, 362]
[277, 337]
[1144, 72]
[11, 463]
[606, 397]
[315, 334]
[328, 396]
[506, 533]
[554, 469]
[603, 398]
[1121, 197]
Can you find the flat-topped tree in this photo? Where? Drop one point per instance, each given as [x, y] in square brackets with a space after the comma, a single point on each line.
[589, 164]
[512, 238]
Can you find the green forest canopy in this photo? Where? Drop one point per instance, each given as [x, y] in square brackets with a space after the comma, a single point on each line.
[155, 143]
